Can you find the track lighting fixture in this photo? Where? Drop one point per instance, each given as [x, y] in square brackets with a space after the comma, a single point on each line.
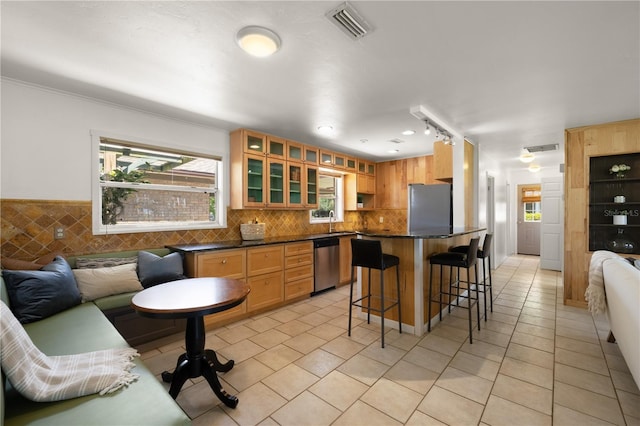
[427, 131]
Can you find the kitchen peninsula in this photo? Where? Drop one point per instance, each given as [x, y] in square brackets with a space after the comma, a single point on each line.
[413, 249]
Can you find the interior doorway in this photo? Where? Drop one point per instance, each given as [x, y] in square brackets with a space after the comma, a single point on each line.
[529, 218]
[491, 209]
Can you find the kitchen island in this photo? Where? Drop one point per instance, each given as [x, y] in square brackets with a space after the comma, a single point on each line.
[413, 249]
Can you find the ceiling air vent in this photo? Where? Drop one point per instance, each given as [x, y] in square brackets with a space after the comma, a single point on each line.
[542, 148]
[348, 20]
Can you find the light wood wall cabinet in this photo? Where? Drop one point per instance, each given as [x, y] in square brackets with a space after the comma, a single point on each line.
[581, 145]
[271, 172]
[442, 161]
[298, 269]
[393, 178]
[275, 173]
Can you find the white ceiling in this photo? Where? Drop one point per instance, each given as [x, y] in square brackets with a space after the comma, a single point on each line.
[504, 74]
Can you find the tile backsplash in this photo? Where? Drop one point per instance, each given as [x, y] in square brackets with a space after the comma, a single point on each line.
[27, 228]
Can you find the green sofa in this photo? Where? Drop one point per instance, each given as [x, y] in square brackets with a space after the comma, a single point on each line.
[85, 328]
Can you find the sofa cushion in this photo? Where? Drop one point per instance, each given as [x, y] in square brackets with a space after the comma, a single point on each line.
[154, 269]
[82, 329]
[35, 295]
[101, 282]
[115, 301]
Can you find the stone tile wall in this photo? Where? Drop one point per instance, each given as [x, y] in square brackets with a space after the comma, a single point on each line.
[27, 228]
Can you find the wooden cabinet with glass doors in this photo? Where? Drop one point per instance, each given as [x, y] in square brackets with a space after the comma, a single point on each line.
[271, 172]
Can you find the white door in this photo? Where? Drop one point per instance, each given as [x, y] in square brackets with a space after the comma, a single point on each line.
[552, 225]
[529, 213]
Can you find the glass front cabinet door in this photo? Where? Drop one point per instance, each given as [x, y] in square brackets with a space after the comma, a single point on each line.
[311, 184]
[254, 189]
[254, 143]
[277, 184]
[295, 182]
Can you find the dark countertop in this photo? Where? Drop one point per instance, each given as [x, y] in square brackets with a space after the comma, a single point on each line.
[427, 233]
[226, 245]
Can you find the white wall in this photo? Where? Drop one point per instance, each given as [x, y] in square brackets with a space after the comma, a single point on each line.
[46, 141]
[486, 165]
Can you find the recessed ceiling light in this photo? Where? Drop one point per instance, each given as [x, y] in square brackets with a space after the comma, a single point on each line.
[409, 132]
[325, 129]
[393, 151]
[364, 140]
[527, 157]
[258, 41]
[534, 168]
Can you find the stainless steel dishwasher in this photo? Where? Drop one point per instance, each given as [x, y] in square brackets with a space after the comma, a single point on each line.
[326, 254]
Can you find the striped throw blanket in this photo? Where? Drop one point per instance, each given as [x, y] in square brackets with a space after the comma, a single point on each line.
[39, 377]
[595, 294]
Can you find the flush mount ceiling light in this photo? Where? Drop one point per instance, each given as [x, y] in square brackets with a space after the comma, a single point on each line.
[526, 156]
[325, 129]
[258, 41]
[534, 168]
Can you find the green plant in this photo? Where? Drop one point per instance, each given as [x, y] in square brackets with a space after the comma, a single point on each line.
[113, 198]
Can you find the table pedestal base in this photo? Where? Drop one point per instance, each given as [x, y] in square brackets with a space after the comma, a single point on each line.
[198, 362]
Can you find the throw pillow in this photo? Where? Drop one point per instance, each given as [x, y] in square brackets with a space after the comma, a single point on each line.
[100, 282]
[154, 269]
[103, 262]
[35, 295]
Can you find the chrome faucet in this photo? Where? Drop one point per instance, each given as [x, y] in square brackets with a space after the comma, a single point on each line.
[331, 216]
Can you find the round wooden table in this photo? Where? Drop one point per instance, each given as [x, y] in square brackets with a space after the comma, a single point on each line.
[193, 298]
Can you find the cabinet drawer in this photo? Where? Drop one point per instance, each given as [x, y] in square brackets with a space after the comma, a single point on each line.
[298, 288]
[264, 260]
[299, 260]
[226, 263]
[266, 290]
[293, 249]
[293, 274]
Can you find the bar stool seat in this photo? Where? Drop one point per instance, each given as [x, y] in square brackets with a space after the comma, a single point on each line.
[368, 254]
[456, 260]
[484, 253]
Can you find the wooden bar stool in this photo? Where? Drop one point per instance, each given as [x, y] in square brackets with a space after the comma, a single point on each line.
[483, 253]
[368, 254]
[456, 260]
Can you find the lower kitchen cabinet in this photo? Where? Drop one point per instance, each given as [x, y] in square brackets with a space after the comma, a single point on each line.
[225, 263]
[345, 259]
[266, 290]
[276, 274]
[298, 273]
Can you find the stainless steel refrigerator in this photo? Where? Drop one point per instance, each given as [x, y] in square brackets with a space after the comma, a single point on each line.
[430, 206]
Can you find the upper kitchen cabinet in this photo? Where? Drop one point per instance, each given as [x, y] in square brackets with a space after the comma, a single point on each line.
[394, 177]
[351, 165]
[339, 161]
[442, 161]
[276, 147]
[271, 172]
[326, 158]
[295, 151]
[251, 142]
[311, 155]
[276, 183]
[302, 182]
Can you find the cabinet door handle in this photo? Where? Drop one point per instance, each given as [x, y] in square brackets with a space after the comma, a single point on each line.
[224, 261]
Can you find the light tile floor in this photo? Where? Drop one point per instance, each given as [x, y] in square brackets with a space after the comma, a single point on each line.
[535, 361]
